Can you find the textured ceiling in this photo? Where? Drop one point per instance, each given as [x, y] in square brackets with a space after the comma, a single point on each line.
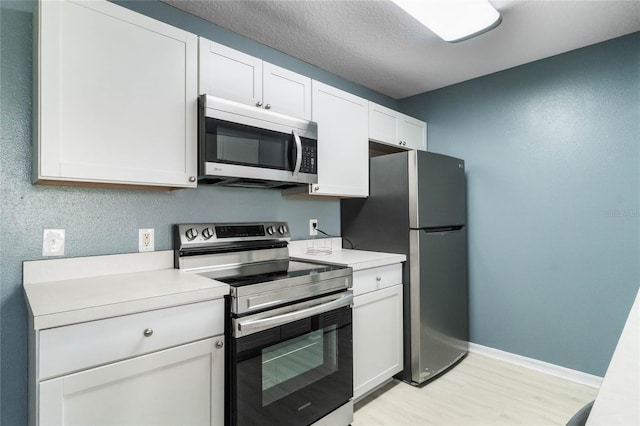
[375, 44]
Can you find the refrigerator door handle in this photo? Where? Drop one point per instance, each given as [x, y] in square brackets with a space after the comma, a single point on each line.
[430, 229]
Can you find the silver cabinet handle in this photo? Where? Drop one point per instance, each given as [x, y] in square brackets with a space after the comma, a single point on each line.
[267, 106]
[259, 104]
[148, 332]
[192, 179]
[219, 344]
[378, 278]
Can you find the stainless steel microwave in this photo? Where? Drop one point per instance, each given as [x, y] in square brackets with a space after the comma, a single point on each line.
[241, 145]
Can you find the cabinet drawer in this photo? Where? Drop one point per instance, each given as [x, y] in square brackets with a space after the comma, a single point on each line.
[373, 279]
[79, 346]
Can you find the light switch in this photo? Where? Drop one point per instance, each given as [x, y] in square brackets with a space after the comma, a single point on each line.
[53, 242]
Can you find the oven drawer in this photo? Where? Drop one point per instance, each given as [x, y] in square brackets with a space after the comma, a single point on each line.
[367, 280]
[80, 346]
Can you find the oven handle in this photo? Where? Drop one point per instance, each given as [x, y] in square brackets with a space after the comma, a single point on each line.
[245, 326]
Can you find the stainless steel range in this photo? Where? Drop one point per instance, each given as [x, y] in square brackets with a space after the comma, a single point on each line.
[289, 336]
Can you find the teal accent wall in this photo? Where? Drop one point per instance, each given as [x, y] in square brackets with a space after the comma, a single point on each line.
[105, 221]
[552, 152]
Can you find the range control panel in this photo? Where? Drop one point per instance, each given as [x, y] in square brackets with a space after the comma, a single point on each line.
[194, 235]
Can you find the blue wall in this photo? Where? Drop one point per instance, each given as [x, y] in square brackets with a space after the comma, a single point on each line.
[552, 150]
[105, 221]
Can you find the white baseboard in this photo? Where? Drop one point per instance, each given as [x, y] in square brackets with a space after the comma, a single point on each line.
[541, 366]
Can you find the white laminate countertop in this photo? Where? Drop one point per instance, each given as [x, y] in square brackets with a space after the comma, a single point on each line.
[356, 259]
[72, 290]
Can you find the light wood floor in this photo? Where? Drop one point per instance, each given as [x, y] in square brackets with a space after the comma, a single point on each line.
[478, 391]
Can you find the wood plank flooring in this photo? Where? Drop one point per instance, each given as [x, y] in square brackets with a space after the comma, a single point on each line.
[478, 391]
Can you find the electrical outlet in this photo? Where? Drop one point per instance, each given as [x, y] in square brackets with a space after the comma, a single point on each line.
[53, 242]
[313, 227]
[145, 240]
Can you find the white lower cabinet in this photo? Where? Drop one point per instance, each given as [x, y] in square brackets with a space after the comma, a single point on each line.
[161, 367]
[178, 386]
[377, 327]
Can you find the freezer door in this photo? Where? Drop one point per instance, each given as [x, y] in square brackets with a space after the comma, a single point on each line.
[439, 299]
[440, 190]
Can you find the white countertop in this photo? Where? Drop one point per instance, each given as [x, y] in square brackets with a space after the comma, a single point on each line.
[72, 290]
[356, 259]
[67, 291]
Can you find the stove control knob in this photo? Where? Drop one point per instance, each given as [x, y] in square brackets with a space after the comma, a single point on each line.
[282, 229]
[270, 230]
[191, 233]
[207, 233]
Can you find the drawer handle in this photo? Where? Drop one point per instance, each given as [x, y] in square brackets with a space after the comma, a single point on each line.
[219, 344]
[378, 278]
[148, 332]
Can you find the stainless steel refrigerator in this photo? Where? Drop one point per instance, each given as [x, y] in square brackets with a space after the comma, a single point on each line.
[417, 206]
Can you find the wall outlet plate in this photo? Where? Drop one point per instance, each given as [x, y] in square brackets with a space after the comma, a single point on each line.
[313, 227]
[53, 242]
[145, 240]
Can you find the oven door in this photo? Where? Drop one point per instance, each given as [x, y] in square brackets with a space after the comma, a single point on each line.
[294, 365]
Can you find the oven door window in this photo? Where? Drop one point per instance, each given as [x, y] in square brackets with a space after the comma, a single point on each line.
[233, 143]
[293, 374]
[297, 363]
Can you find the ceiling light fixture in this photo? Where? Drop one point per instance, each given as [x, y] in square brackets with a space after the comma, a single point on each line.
[453, 20]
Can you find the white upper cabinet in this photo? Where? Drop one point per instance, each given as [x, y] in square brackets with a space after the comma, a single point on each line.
[115, 97]
[413, 133]
[285, 91]
[394, 128]
[343, 159]
[233, 75]
[229, 74]
[384, 124]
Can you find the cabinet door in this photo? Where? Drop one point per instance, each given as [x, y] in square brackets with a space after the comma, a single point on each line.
[394, 128]
[116, 97]
[343, 158]
[229, 74]
[377, 338]
[384, 124]
[183, 385]
[286, 92]
[413, 133]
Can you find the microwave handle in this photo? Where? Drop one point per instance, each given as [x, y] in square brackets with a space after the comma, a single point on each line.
[296, 169]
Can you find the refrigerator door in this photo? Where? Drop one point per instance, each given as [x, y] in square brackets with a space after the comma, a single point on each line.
[437, 185]
[439, 304]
